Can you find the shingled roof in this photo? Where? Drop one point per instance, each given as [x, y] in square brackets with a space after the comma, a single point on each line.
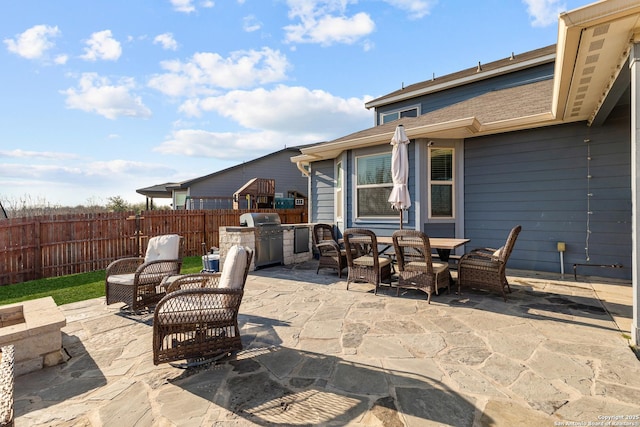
[481, 111]
[476, 73]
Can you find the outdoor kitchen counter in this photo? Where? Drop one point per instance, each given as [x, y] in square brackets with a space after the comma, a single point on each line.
[245, 236]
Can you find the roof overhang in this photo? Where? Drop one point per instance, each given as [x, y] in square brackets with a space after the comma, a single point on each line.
[594, 42]
[593, 46]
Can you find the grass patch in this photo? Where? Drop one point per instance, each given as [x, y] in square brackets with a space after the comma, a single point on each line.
[72, 288]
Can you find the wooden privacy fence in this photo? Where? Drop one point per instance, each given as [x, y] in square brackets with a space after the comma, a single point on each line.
[58, 245]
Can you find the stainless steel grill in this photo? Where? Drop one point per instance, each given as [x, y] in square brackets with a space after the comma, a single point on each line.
[268, 236]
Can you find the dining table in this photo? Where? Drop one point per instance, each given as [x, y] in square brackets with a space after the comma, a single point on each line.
[442, 245]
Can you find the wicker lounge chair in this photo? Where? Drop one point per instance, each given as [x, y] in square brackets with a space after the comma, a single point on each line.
[331, 254]
[197, 320]
[486, 267]
[135, 281]
[363, 260]
[416, 268]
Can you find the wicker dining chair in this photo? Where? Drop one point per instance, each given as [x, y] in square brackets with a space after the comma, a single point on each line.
[486, 267]
[363, 260]
[416, 268]
[331, 254]
[135, 280]
[197, 320]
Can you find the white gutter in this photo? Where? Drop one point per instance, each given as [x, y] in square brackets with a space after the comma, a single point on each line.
[300, 166]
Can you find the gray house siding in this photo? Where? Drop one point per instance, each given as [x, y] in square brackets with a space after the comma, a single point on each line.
[539, 179]
[435, 101]
[277, 166]
[322, 197]
[440, 229]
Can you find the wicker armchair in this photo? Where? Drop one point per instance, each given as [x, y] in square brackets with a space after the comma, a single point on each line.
[416, 268]
[135, 281]
[197, 320]
[486, 267]
[363, 260]
[331, 254]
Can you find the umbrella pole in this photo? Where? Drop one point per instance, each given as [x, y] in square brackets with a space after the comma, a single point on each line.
[400, 219]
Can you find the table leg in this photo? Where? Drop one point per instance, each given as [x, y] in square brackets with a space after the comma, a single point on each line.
[444, 255]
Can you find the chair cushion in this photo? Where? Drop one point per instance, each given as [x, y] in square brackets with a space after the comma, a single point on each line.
[127, 279]
[367, 261]
[233, 268]
[165, 247]
[192, 311]
[121, 279]
[497, 253]
[438, 267]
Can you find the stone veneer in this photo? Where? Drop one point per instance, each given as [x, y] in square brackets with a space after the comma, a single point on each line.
[33, 327]
[245, 236]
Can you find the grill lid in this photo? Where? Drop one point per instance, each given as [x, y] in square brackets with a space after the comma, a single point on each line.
[260, 219]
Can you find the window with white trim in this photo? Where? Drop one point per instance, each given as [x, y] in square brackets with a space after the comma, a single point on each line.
[395, 115]
[373, 186]
[441, 183]
[179, 199]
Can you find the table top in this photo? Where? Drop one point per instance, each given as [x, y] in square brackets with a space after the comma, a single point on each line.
[435, 242]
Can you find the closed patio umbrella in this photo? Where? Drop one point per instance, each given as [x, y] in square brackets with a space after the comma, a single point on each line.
[399, 197]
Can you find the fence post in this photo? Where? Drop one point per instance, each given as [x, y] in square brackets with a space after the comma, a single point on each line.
[37, 265]
[137, 235]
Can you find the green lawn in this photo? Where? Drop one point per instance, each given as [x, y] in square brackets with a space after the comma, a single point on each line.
[76, 287]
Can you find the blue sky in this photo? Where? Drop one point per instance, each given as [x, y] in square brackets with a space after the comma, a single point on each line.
[99, 98]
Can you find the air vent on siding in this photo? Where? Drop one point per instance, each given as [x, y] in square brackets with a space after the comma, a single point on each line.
[592, 58]
[596, 44]
[602, 29]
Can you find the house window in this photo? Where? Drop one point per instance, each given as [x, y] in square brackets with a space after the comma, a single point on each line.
[179, 200]
[441, 185]
[373, 186]
[408, 112]
[339, 193]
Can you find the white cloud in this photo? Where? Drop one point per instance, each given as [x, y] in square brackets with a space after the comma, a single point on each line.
[80, 181]
[52, 155]
[250, 24]
[204, 73]
[102, 45]
[125, 167]
[167, 41]
[295, 110]
[416, 8]
[544, 12]
[34, 42]
[97, 94]
[274, 118]
[325, 22]
[223, 145]
[61, 59]
[185, 6]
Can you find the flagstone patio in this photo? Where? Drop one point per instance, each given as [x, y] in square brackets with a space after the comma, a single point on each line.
[316, 354]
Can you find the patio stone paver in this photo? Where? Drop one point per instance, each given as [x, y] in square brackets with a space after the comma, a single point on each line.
[317, 354]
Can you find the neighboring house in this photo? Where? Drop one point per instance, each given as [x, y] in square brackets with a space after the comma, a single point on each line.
[215, 191]
[547, 139]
